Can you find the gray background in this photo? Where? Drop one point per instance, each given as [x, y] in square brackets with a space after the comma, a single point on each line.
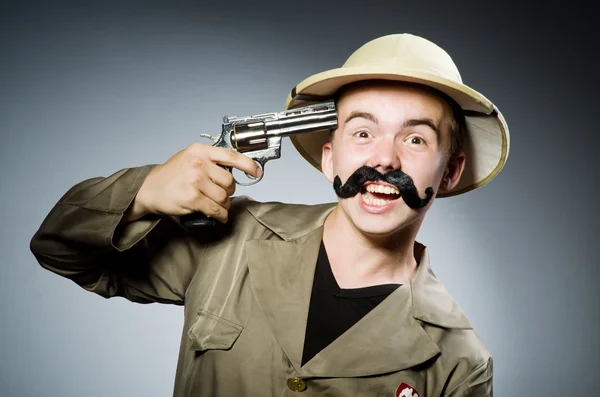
[90, 88]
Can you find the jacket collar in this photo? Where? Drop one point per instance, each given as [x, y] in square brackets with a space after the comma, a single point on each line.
[290, 221]
[282, 274]
[432, 302]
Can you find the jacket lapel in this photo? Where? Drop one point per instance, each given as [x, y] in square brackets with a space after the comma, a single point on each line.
[389, 338]
[282, 276]
[282, 270]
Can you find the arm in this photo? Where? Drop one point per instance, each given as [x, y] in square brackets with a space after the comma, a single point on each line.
[115, 236]
[478, 383]
[86, 239]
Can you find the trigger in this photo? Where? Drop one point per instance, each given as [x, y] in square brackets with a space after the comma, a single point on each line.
[262, 172]
[254, 179]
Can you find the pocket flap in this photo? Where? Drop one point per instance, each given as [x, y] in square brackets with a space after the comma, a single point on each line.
[213, 332]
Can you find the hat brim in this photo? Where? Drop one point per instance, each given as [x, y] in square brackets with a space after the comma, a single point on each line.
[488, 140]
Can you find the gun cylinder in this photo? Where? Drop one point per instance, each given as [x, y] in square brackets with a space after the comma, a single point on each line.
[249, 137]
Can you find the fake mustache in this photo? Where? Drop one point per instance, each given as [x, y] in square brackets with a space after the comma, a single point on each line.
[402, 181]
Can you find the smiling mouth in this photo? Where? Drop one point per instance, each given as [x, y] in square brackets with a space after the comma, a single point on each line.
[378, 195]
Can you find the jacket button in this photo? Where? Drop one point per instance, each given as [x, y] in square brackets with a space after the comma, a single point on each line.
[296, 384]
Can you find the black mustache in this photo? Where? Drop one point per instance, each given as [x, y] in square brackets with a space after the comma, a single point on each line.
[401, 180]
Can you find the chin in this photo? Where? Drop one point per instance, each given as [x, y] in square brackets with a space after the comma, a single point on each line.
[398, 219]
[379, 228]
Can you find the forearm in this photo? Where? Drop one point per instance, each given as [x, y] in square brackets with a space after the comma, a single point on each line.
[94, 236]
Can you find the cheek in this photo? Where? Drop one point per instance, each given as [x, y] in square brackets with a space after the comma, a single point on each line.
[349, 158]
[425, 170]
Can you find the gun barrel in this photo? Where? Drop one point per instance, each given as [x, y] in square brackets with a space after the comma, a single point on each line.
[302, 123]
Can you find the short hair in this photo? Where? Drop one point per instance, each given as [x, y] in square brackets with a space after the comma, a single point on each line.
[455, 118]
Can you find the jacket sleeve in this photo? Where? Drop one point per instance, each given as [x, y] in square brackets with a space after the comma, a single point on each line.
[83, 239]
[478, 383]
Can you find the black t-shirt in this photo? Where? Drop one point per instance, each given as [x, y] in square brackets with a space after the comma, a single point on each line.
[334, 310]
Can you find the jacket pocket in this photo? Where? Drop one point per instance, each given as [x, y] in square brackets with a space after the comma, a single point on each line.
[210, 331]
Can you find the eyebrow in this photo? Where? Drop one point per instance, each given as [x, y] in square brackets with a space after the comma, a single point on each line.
[365, 115]
[408, 123]
[424, 121]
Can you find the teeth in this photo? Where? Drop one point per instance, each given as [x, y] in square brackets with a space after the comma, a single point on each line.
[374, 188]
[375, 202]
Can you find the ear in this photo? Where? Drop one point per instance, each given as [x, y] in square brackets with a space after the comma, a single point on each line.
[452, 173]
[327, 160]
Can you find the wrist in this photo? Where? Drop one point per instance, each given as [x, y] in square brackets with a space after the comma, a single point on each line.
[135, 211]
[139, 207]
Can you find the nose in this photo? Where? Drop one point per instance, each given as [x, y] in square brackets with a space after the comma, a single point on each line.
[385, 156]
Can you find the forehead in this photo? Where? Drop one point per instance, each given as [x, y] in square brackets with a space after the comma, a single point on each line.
[392, 99]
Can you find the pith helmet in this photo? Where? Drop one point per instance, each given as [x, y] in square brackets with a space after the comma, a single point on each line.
[410, 58]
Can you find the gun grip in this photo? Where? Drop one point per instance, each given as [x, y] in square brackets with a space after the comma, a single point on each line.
[197, 221]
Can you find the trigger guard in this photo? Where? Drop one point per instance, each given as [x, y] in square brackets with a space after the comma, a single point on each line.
[254, 179]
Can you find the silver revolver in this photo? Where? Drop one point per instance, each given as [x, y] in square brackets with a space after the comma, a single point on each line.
[259, 137]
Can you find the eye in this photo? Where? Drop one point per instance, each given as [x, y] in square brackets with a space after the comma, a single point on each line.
[362, 134]
[416, 140]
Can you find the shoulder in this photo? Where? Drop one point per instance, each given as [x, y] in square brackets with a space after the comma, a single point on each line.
[464, 360]
[288, 220]
[467, 362]
[459, 346]
[259, 209]
[462, 350]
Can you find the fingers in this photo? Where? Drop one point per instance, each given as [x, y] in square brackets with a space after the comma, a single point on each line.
[222, 178]
[201, 194]
[212, 185]
[235, 159]
[214, 192]
[212, 209]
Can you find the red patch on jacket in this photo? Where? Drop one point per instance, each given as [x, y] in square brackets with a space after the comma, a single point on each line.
[405, 390]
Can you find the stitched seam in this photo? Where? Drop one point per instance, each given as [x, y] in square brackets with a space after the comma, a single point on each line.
[486, 362]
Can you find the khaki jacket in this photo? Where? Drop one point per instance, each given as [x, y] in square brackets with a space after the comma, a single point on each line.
[246, 297]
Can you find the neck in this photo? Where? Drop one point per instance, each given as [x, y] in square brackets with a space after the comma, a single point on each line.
[359, 260]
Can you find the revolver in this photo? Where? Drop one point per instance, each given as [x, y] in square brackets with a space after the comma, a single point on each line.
[259, 137]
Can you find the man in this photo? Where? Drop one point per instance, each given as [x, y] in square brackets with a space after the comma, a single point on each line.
[334, 299]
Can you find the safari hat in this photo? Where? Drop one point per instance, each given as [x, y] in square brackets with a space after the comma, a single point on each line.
[410, 58]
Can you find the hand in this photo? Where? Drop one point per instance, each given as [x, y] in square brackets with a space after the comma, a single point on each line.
[192, 181]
